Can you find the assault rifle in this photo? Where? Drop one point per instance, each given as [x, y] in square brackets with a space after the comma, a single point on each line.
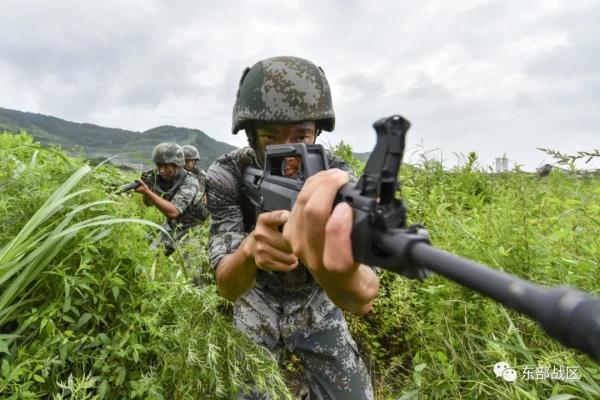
[150, 178]
[381, 238]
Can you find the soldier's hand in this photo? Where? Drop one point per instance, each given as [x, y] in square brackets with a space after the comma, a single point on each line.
[143, 188]
[267, 245]
[318, 237]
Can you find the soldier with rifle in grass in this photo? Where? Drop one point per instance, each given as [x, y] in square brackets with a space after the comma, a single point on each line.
[174, 191]
[289, 288]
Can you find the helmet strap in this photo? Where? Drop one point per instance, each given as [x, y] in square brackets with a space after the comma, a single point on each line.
[251, 135]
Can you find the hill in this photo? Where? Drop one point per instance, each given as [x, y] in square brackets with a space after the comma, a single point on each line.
[131, 148]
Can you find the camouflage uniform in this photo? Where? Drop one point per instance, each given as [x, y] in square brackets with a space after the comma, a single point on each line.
[183, 191]
[185, 194]
[282, 310]
[191, 153]
[201, 176]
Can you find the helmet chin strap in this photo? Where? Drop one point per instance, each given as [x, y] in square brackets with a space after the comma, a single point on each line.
[251, 135]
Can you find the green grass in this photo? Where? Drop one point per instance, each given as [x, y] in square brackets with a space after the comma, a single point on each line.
[90, 312]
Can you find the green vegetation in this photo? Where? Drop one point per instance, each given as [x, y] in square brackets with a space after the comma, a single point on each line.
[87, 311]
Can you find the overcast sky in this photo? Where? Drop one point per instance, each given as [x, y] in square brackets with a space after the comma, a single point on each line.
[493, 77]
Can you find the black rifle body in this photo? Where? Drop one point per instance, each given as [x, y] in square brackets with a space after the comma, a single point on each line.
[150, 178]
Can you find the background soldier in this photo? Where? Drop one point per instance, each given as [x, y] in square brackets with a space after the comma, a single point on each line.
[288, 287]
[192, 156]
[176, 193]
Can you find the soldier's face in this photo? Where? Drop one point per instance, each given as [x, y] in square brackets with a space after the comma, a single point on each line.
[167, 171]
[292, 166]
[302, 132]
[190, 164]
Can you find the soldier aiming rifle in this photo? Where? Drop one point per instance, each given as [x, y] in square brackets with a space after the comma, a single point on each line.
[289, 294]
[174, 191]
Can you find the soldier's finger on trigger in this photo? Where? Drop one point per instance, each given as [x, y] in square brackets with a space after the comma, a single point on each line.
[277, 266]
[272, 241]
[273, 219]
[270, 258]
[277, 241]
[271, 236]
[264, 232]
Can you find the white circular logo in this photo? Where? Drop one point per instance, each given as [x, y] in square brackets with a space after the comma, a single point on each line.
[499, 368]
[504, 371]
[509, 375]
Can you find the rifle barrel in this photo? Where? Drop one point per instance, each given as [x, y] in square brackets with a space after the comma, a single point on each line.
[130, 186]
[569, 315]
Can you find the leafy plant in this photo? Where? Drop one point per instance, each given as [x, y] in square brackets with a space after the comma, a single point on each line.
[99, 315]
[89, 312]
[570, 159]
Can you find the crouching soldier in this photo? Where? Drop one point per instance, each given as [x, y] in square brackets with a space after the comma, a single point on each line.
[175, 192]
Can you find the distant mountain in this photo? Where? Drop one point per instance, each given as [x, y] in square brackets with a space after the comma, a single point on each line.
[132, 148]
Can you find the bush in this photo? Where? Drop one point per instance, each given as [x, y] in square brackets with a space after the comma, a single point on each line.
[89, 312]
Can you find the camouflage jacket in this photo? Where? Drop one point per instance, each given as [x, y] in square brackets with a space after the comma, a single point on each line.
[234, 216]
[201, 175]
[187, 198]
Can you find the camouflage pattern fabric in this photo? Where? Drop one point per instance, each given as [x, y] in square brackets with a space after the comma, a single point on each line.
[283, 89]
[201, 175]
[284, 310]
[187, 198]
[168, 153]
[190, 152]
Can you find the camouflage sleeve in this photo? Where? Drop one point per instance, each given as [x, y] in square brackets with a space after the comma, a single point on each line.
[202, 182]
[185, 194]
[227, 220]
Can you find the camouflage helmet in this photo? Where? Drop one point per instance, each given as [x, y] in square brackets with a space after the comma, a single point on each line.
[190, 152]
[283, 89]
[168, 153]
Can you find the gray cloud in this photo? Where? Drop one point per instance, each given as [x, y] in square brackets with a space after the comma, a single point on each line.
[494, 76]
